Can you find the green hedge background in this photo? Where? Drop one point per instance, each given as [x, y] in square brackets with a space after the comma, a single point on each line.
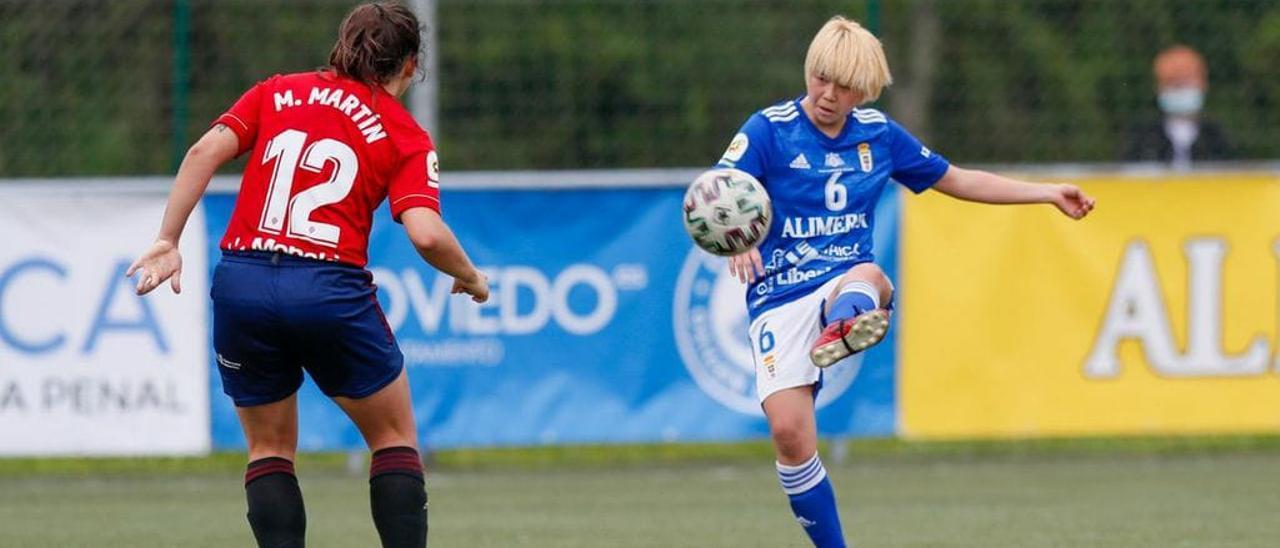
[121, 87]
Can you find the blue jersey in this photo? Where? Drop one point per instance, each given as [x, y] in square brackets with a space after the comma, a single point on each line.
[824, 192]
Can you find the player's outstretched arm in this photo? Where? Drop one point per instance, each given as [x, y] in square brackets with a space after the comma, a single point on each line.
[162, 261]
[437, 245]
[981, 186]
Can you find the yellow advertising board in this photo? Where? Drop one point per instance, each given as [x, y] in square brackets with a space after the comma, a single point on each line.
[1156, 314]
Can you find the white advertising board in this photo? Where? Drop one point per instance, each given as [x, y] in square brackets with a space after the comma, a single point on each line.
[86, 366]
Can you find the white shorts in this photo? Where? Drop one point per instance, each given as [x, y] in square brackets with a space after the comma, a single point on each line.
[781, 339]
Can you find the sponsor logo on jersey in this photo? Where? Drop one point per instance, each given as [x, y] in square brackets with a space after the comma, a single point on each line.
[836, 252]
[737, 147]
[779, 268]
[834, 160]
[798, 276]
[227, 363]
[864, 157]
[924, 151]
[270, 244]
[800, 162]
[711, 328]
[826, 225]
[433, 169]
[797, 255]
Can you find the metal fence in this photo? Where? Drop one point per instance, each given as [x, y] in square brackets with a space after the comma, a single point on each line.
[121, 87]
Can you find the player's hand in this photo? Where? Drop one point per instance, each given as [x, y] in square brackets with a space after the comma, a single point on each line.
[747, 266]
[159, 263]
[477, 286]
[1072, 201]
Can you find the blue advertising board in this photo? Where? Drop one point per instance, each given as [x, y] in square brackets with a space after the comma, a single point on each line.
[605, 326]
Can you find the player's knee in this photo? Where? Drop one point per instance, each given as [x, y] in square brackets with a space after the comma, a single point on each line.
[792, 440]
[873, 274]
[870, 272]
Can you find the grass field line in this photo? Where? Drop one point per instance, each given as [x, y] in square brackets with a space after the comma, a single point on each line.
[676, 454]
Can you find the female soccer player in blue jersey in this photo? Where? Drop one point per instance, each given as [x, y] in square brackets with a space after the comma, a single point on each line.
[814, 291]
[291, 292]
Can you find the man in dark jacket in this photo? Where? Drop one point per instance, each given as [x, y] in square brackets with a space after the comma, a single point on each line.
[1182, 134]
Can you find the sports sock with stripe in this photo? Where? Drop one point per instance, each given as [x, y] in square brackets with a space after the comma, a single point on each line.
[813, 501]
[398, 497]
[854, 298]
[276, 513]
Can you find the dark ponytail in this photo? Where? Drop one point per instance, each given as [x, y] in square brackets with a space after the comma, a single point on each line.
[374, 41]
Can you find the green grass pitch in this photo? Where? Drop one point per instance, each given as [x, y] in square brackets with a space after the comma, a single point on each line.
[1121, 494]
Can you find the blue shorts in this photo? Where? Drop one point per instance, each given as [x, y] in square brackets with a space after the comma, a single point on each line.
[275, 315]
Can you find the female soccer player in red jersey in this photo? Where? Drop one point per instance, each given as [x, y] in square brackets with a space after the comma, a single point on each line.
[291, 292]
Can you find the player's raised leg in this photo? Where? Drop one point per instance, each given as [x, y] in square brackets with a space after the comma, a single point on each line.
[855, 313]
[397, 491]
[276, 512]
[793, 427]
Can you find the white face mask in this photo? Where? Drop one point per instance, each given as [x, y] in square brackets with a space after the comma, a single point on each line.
[1181, 101]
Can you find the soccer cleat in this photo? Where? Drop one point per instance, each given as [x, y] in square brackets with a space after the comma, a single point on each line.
[848, 337]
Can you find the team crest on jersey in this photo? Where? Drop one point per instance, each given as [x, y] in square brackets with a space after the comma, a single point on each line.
[710, 320]
[737, 147]
[834, 160]
[864, 157]
[800, 162]
[770, 363]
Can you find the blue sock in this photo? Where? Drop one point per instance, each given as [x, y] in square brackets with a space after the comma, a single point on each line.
[854, 298]
[813, 502]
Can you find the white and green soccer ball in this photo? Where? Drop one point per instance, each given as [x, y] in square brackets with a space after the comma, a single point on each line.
[727, 212]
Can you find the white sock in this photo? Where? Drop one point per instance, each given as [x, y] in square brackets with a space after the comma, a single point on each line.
[859, 286]
[802, 477]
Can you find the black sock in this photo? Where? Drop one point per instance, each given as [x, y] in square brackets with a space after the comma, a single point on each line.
[398, 497]
[276, 514]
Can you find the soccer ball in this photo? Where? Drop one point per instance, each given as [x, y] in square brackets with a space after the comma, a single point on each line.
[727, 212]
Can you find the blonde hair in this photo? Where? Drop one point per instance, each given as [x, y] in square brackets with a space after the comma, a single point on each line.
[849, 55]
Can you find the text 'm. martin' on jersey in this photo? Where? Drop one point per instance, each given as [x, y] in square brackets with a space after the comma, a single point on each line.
[326, 151]
[824, 192]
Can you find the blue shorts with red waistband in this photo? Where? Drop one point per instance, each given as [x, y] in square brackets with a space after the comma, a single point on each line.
[275, 315]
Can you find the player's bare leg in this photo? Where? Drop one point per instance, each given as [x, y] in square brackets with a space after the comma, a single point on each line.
[385, 418]
[271, 430]
[276, 512]
[856, 318]
[397, 493]
[792, 424]
[794, 430]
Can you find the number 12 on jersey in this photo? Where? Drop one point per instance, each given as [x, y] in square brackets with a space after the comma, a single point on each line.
[283, 208]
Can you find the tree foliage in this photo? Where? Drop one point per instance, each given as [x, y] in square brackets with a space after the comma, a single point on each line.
[89, 86]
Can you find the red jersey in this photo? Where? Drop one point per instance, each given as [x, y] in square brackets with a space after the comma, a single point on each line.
[326, 150]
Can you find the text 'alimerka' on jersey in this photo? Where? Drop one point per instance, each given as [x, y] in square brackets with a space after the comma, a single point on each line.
[823, 225]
